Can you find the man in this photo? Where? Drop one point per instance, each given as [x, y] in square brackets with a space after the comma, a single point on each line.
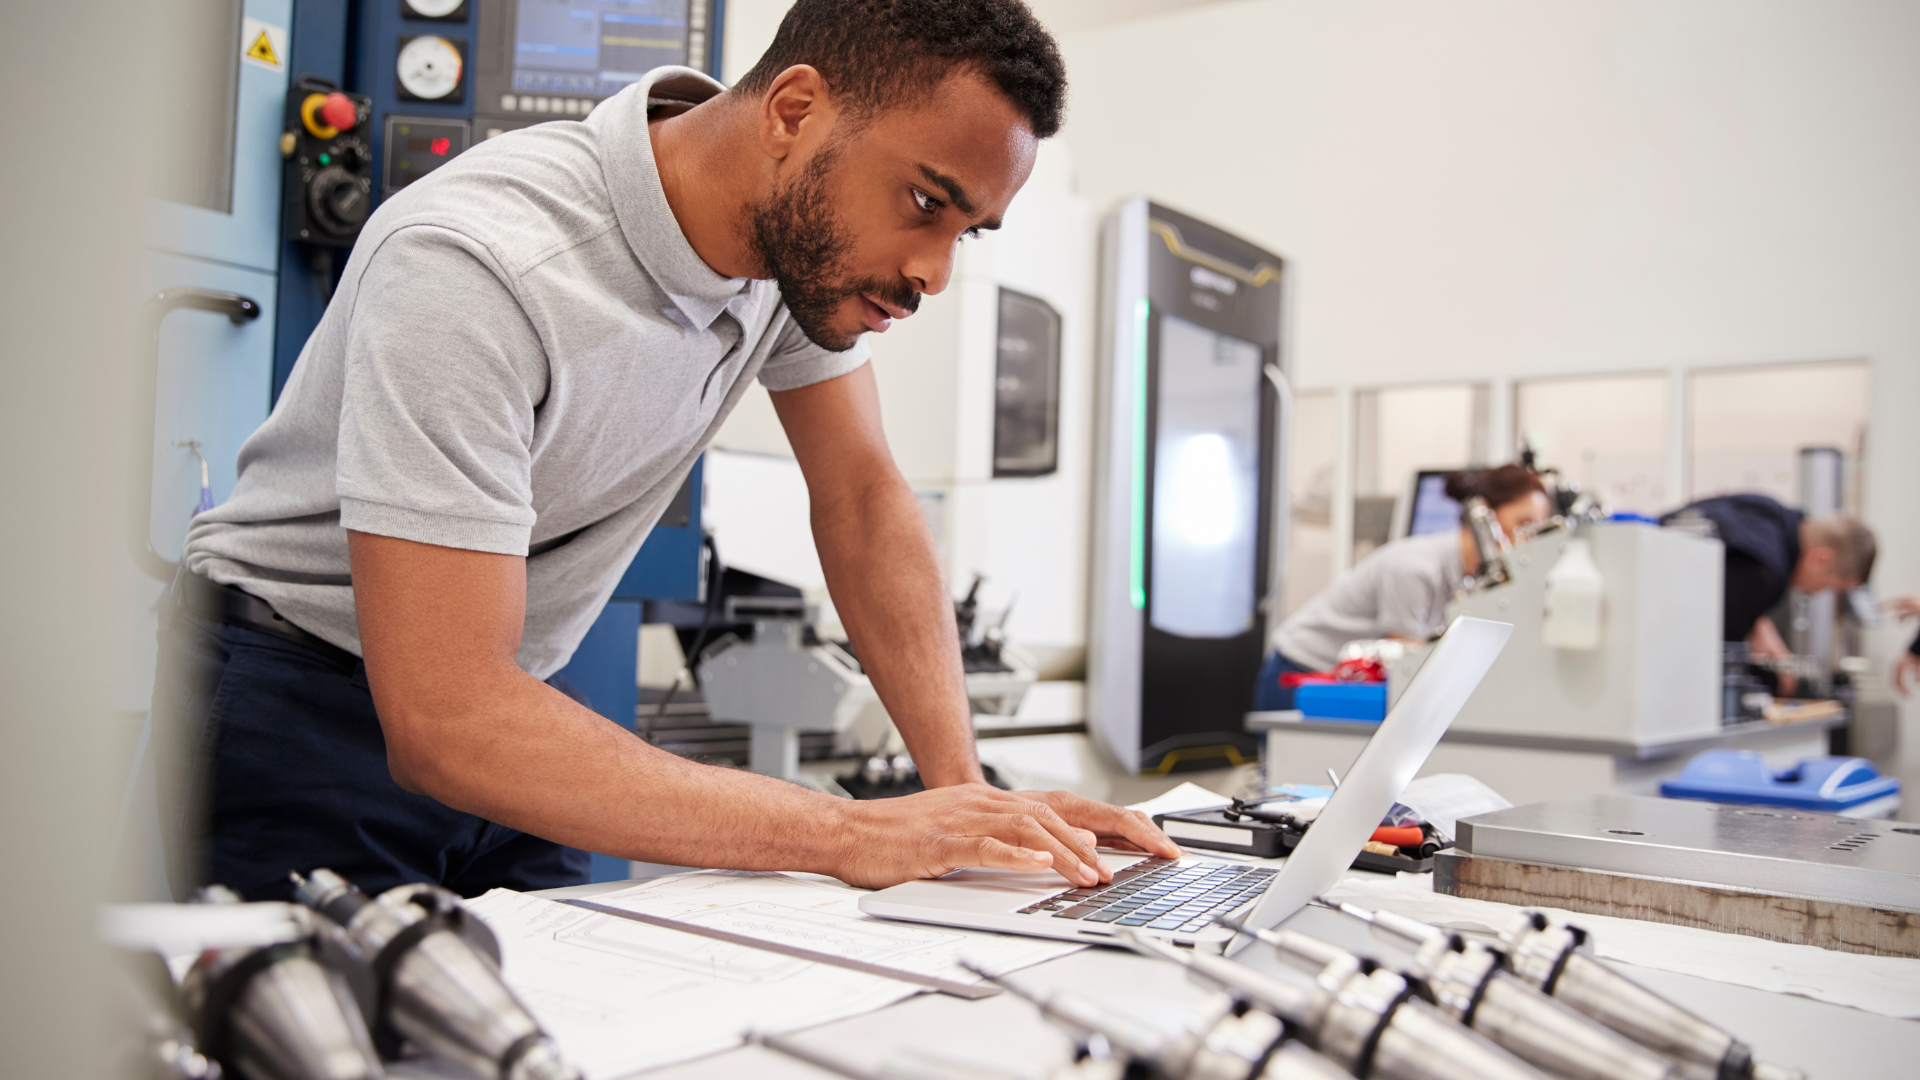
[525, 354]
[1771, 548]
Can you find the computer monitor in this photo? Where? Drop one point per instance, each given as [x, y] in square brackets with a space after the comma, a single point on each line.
[1433, 509]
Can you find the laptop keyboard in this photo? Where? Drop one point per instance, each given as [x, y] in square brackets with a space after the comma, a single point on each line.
[1161, 894]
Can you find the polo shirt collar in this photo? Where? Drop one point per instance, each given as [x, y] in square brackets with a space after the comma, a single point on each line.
[640, 203]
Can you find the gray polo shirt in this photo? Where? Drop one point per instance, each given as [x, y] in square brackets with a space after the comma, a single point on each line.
[524, 356]
[1401, 589]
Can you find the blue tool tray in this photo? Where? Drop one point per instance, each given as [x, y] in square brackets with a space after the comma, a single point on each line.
[1342, 701]
[1832, 785]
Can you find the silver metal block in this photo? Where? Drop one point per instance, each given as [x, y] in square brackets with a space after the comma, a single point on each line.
[1770, 850]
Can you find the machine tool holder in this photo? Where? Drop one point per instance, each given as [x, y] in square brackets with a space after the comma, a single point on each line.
[1233, 828]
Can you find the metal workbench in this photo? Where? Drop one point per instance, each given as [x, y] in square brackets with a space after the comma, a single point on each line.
[1831, 1042]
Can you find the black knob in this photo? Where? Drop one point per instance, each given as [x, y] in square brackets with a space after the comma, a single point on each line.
[339, 201]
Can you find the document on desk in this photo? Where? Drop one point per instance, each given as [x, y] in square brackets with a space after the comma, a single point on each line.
[823, 917]
[621, 997]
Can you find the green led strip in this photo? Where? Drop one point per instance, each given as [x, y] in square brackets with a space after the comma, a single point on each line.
[1138, 552]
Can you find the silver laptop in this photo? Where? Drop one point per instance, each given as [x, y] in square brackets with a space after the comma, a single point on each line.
[1183, 899]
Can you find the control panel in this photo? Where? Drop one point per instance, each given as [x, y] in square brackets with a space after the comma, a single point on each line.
[328, 185]
[444, 74]
[557, 59]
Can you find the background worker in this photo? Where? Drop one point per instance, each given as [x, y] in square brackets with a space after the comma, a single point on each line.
[1771, 548]
[1400, 590]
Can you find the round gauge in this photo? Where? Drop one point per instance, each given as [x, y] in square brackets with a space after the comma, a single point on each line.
[429, 67]
[432, 9]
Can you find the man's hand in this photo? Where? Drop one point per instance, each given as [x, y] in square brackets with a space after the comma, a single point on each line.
[1906, 673]
[1905, 607]
[1765, 643]
[889, 841]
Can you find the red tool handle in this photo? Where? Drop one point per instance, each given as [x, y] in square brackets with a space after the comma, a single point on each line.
[1400, 835]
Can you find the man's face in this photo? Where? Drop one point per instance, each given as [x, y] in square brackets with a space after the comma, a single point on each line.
[859, 231]
[1817, 573]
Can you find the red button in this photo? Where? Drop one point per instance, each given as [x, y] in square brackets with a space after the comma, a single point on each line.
[338, 111]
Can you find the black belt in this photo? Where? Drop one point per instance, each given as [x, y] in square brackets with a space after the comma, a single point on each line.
[236, 607]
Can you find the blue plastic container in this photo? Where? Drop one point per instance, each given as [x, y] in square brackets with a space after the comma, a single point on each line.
[1828, 785]
[1342, 701]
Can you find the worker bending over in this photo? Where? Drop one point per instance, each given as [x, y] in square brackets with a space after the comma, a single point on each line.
[1400, 590]
[1771, 548]
[525, 355]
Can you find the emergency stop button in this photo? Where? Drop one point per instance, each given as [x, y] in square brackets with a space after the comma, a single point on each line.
[338, 111]
[327, 115]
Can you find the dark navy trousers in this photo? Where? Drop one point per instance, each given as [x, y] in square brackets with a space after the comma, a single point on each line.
[277, 764]
[1268, 694]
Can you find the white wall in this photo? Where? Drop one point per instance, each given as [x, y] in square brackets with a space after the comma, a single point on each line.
[1497, 188]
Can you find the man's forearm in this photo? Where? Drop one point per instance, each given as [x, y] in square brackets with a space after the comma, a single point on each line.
[522, 754]
[884, 573]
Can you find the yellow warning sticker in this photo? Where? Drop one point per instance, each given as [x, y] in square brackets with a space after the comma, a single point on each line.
[263, 44]
[262, 50]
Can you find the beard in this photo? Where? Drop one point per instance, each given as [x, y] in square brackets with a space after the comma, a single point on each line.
[804, 248]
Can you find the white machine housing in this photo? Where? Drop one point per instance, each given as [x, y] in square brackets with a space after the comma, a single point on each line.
[1655, 676]
[779, 686]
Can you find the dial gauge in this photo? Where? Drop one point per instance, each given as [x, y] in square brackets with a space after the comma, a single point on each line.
[431, 9]
[429, 67]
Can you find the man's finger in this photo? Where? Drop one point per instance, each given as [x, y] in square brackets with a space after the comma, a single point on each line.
[957, 852]
[1073, 839]
[1109, 820]
[1005, 841]
[1039, 828]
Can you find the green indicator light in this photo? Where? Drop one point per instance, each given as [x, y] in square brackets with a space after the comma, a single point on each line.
[1138, 547]
[326, 159]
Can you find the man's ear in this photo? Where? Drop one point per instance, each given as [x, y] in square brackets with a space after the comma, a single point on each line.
[795, 107]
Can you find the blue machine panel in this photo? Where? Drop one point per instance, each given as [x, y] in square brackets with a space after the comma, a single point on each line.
[381, 30]
[249, 234]
[670, 565]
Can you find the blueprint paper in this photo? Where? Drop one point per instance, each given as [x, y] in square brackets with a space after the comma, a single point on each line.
[1887, 985]
[1180, 800]
[827, 918]
[621, 997]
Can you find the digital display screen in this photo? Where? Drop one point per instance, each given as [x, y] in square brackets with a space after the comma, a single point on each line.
[417, 145]
[595, 47]
[1433, 510]
[1206, 482]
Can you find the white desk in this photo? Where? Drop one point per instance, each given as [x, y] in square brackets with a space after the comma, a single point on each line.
[1831, 1042]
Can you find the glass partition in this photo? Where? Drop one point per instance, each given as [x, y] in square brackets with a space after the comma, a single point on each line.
[1400, 432]
[1606, 433]
[1748, 426]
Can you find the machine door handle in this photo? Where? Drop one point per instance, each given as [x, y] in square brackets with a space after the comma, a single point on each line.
[239, 310]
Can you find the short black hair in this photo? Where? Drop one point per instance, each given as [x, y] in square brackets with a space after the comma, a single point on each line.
[876, 54]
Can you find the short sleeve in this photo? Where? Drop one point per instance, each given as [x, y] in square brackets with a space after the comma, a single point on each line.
[795, 361]
[443, 374]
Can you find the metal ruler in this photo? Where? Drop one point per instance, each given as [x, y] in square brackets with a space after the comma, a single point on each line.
[970, 991]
